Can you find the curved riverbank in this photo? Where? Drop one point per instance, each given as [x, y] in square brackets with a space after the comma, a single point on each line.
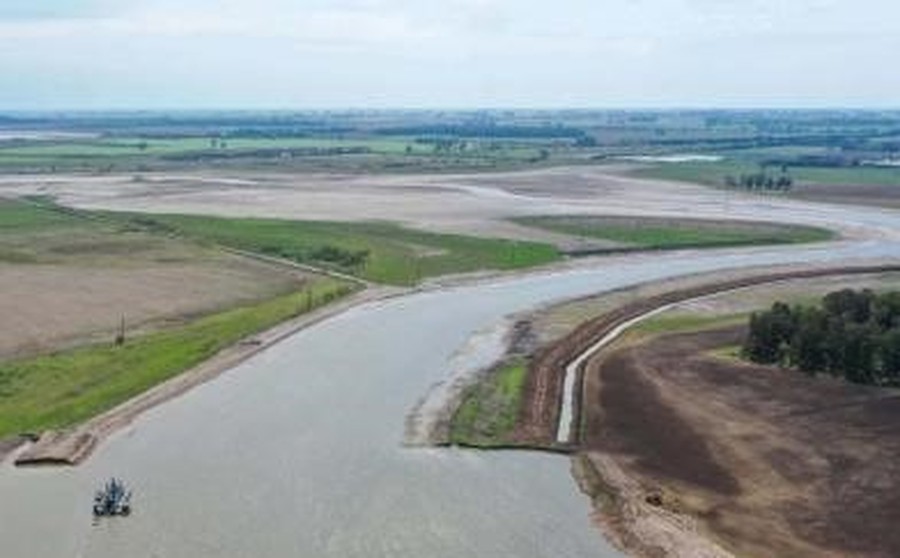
[208, 464]
[636, 518]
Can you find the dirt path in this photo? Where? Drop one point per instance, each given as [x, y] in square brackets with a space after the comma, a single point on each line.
[539, 419]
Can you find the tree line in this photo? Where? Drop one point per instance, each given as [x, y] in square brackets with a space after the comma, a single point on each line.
[853, 335]
[761, 181]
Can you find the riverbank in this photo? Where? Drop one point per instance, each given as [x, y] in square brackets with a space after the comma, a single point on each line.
[72, 446]
[642, 522]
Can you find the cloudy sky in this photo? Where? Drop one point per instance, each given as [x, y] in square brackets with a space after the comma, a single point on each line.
[97, 54]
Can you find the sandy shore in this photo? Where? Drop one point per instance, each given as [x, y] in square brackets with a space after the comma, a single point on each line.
[631, 523]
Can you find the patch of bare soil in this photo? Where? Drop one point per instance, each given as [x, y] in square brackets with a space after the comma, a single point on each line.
[9, 445]
[768, 461]
[854, 194]
[55, 305]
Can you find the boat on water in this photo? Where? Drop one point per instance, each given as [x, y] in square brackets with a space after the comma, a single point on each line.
[113, 499]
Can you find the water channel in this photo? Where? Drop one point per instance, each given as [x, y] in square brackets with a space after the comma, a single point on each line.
[298, 451]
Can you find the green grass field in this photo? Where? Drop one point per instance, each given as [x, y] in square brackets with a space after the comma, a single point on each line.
[64, 388]
[136, 146]
[670, 322]
[379, 252]
[36, 231]
[714, 174]
[664, 233]
[489, 409]
[133, 154]
[17, 216]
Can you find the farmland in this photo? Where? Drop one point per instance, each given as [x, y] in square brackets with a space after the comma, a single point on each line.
[662, 234]
[379, 252]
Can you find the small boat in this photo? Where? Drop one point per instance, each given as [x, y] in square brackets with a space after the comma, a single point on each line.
[113, 499]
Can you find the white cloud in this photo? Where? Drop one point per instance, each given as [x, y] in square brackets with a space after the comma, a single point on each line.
[450, 52]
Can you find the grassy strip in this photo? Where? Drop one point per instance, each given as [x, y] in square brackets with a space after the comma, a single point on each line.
[729, 353]
[380, 252]
[490, 408]
[683, 323]
[661, 233]
[366, 152]
[714, 173]
[62, 389]
[18, 217]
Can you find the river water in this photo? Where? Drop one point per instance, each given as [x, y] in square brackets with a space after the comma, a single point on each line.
[298, 451]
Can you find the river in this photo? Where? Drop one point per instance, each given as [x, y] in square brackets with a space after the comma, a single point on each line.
[298, 451]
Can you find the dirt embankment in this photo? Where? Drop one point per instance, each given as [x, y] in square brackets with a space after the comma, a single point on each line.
[634, 452]
[539, 418]
[767, 462]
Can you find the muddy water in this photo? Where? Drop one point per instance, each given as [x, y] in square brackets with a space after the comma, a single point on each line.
[298, 451]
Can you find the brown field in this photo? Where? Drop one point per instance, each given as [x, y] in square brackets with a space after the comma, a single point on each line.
[65, 281]
[50, 306]
[855, 194]
[771, 462]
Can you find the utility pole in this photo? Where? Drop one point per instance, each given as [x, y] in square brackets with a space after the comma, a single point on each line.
[120, 337]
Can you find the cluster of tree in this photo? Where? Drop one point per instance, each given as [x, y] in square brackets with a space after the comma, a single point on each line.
[761, 181]
[325, 254]
[853, 334]
[218, 143]
[265, 153]
[444, 145]
[830, 161]
[484, 130]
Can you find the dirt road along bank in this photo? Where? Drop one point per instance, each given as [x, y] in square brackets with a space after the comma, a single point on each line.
[539, 416]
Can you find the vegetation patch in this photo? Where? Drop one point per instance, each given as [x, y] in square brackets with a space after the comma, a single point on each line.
[853, 335]
[664, 233]
[745, 172]
[31, 215]
[489, 409]
[682, 322]
[61, 389]
[380, 252]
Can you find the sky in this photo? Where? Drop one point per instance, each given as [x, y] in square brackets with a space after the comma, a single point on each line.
[318, 54]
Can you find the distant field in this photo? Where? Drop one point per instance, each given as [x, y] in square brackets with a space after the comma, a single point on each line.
[61, 389]
[130, 154]
[38, 232]
[714, 174]
[136, 146]
[67, 277]
[663, 233]
[379, 252]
